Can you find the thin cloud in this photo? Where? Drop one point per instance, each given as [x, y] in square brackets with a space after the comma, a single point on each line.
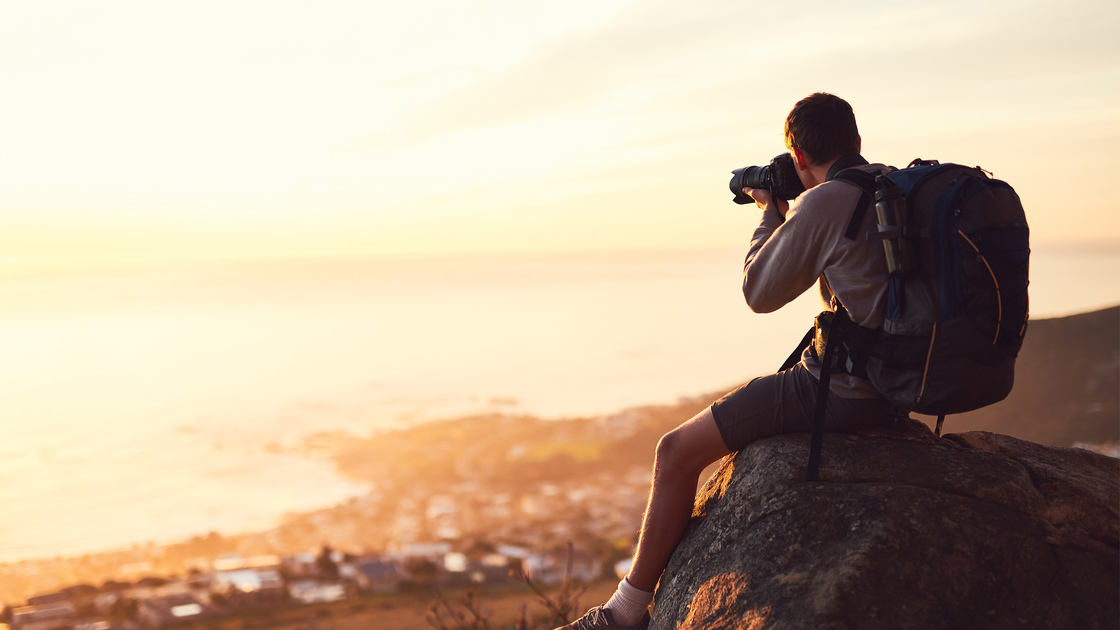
[568, 74]
[671, 47]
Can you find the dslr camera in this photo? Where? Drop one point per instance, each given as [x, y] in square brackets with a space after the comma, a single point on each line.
[779, 177]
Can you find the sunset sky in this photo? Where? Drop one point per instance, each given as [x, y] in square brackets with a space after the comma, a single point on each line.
[201, 153]
[143, 130]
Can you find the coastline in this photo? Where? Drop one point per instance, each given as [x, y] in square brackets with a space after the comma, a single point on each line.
[236, 441]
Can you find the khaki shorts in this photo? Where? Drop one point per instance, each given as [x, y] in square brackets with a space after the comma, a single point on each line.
[785, 403]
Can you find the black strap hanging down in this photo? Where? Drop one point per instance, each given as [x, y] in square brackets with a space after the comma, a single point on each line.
[940, 421]
[795, 356]
[834, 332]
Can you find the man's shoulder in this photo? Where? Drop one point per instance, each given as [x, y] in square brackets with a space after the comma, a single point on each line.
[835, 191]
[826, 196]
[863, 169]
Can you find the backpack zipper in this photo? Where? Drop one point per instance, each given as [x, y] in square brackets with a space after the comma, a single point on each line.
[929, 355]
[999, 297]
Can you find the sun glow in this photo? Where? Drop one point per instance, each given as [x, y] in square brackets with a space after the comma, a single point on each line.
[140, 131]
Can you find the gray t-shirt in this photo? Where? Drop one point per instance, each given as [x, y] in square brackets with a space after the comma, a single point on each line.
[787, 257]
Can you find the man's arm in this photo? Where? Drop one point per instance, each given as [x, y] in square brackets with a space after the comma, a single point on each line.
[786, 256]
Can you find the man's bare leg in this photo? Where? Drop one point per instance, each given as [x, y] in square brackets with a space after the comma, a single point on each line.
[682, 454]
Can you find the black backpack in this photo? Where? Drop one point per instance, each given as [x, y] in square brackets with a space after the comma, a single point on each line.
[957, 246]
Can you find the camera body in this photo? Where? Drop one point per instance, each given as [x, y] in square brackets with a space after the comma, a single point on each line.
[779, 177]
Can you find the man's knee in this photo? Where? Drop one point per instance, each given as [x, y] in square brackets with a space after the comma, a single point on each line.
[689, 447]
[670, 450]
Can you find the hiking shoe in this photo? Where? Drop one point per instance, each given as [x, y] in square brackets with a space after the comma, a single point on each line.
[599, 618]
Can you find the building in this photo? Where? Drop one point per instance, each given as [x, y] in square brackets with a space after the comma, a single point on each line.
[167, 610]
[247, 581]
[549, 568]
[314, 592]
[378, 576]
[44, 616]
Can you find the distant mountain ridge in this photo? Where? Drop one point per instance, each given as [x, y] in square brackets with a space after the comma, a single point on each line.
[1067, 390]
[1067, 384]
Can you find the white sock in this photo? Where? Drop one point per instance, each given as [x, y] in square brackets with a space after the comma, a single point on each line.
[629, 603]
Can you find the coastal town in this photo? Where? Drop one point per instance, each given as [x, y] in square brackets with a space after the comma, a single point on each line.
[506, 505]
[234, 586]
[487, 502]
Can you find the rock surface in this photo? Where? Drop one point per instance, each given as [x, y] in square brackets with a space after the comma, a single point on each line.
[903, 530]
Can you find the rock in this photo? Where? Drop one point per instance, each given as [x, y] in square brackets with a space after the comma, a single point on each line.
[903, 530]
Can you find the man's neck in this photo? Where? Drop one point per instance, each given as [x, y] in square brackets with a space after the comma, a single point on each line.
[817, 175]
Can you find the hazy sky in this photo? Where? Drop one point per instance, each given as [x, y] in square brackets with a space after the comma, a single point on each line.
[143, 129]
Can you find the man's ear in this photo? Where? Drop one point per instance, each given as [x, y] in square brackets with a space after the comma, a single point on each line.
[800, 159]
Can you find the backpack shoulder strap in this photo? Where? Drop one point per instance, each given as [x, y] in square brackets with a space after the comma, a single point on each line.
[866, 183]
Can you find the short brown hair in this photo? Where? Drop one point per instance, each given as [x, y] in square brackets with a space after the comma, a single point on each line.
[824, 126]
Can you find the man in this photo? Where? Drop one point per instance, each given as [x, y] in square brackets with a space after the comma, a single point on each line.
[795, 245]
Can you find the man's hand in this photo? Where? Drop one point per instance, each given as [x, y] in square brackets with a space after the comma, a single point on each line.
[764, 200]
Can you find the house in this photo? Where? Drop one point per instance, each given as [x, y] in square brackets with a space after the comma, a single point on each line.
[49, 598]
[149, 588]
[496, 567]
[455, 562]
[433, 551]
[91, 625]
[378, 576]
[167, 610]
[45, 616]
[455, 568]
[247, 581]
[549, 568]
[233, 561]
[512, 551]
[314, 592]
[301, 565]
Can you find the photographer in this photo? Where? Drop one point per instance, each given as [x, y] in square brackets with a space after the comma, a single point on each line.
[795, 245]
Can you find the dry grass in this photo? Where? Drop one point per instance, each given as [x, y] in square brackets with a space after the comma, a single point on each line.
[405, 612]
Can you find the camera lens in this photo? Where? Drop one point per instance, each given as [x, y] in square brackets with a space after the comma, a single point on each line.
[757, 177]
[748, 177]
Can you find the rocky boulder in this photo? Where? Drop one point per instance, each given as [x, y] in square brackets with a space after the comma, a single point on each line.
[903, 530]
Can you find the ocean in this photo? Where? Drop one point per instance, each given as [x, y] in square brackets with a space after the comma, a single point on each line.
[156, 404]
